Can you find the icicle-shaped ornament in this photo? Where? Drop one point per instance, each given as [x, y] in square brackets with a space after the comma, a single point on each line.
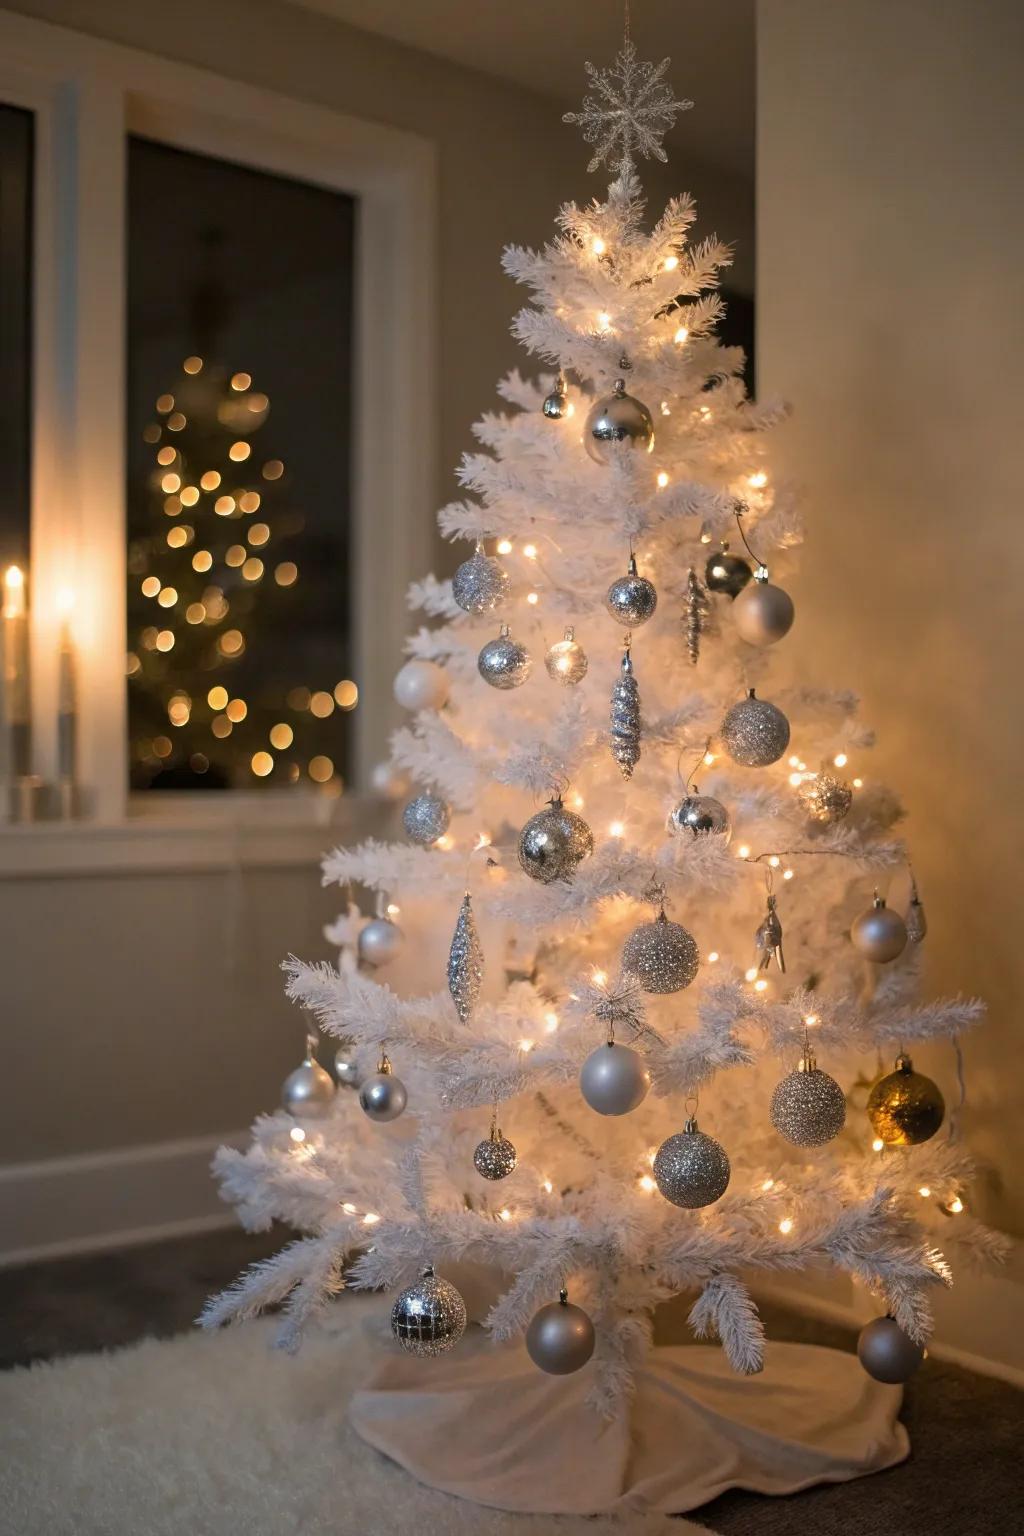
[465, 962]
[625, 718]
[698, 609]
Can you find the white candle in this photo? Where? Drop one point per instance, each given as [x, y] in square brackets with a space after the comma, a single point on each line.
[16, 706]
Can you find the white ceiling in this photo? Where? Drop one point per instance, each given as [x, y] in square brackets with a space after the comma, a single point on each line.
[542, 44]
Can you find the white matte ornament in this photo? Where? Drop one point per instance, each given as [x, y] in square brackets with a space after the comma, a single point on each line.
[379, 942]
[879, 933]
[755, 732]
[614, 1079]
[429, 1317]
[691, 1169]
[421, 685]
[763, 612]
[382, 1097]
[307, 1092]
[887, 1353]
[560, 1338]
[617, 419]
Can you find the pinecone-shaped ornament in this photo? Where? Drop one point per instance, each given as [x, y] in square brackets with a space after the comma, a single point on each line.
[625, 718]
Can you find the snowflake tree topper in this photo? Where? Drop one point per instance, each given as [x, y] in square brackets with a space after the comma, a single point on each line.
[630, 111]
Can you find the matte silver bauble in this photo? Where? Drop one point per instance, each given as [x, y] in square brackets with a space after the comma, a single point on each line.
[691, 1169]
[504, 663]
[421, 685]
[905, 1107]
[727, 573]
[617, 418]
[755, 733]
[480, 584]
[614, 1079]
[825, 798]
[887, 1353]
[879, 933]
[763, 612]
[555, 405]
[307, 1092]
[382, 1097]
[560, 1338]
[566, 660]
[379, 942]
[429, 1318]
[662, 956]
[631, 599]
[553, 842]
[808, 1107]
[495, 1158]
[700, 814]
[346, 1071]
[426, 818]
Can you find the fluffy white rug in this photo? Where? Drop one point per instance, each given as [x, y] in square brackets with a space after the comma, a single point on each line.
[221, 1436]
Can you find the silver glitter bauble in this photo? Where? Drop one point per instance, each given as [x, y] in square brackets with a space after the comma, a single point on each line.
[755, 733]
[429, 1318]
[346, 1071]
[504, 663]
[825, 798]
[426, 818]
[555, 404]
[625, 723]
[382, 1097]
[553, 842]
[662, 956]
[495, 1158]
[879, 933]
[614, 1079]
[887, 1353]
[631, 599]
[617, 418]
[905, 1107]
[808, 1107]
[560, 1338]
[566, 660]
[465, 962]
[480, 584]
[701, 814]
[727, 573]
[691, 1169]
[763, 612]
[421, 685]
[379, 942]
[307, 1092]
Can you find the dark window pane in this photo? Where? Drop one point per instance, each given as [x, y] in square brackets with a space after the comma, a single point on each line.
[239, 380]
[15, 332]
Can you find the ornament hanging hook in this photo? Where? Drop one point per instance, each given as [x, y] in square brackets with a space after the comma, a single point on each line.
[739, 510]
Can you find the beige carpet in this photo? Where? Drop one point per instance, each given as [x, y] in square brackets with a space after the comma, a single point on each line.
[220, 1436]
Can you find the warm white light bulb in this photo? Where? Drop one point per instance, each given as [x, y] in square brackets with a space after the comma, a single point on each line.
[681, 336]
[671, 262]
[297, 1134]
[662, 480]
[598, 246]
[786, 1225]
[840, 760]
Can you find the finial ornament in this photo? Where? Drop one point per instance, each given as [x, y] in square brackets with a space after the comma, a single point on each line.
[629, 112]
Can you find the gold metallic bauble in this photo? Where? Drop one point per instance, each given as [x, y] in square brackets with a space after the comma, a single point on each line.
[905, 1107]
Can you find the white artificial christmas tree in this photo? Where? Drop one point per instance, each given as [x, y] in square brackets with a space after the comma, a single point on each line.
[700, 893]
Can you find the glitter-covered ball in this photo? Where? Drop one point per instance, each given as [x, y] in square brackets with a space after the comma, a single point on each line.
[631, 599]
[553, 842]
[480, 584]
[429, 1318]
[755, 732]
[905, 1107]
[495, 1158]
[808, 1107]
[426, 818]
[662, 955]
[691, 1169]
[825, 798]
[504, 663]
[699, 814]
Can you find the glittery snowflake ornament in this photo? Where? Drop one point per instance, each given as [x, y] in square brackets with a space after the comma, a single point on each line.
[629, 113]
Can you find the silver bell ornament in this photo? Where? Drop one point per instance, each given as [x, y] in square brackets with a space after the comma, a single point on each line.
[382, 1097]
[495, 1158]
[905, 1107]
[560, 1338]
[691, 1169]
[426, 818]
[727, 573]
[307, 1092]
[631, 599]
[614, 1079]
[808, 1107]
[763, 612]
[421, 685]
[825, 798]
[346, 1071]
[701, 815]
[624, 720]
[662, 955]
[617, 418]
[429, 1318]
[554, 842]
[879, 933]
[504, 663]
[379, 942]
[755, 733]
[481, 583]
[887, 1353]
[566, 660]
[555, 404]
[465, 962]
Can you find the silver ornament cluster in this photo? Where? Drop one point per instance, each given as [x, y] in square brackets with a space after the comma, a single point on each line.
[662, 955]
[887, 1353]
[495, 1158]
[503, 662]
[614, 1079]
[617, 419]
[698, 611]
[426, 818]
[481, 584]
[382, 1097]
[755, 733]
[379, 941]
[625, 723]
[701, 815]
[429, 1318]
[553, 843]
[465, 962]
[566, 660]
[560, 1338]
[631, 599]
[763, 612]
[880, 934]
[691, 1169]
[307, 1092]
[825, 798]
[808, 1107]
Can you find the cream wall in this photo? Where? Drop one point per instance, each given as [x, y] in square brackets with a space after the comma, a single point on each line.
[892, 314]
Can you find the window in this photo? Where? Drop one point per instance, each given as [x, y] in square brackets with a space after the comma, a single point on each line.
[16, 134]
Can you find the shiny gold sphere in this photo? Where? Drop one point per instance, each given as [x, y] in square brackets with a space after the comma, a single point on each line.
[905, 1107]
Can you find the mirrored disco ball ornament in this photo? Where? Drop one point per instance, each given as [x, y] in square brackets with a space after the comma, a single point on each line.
[879, 933]
[307, 1092]
[566, 660]
[555, 404]
[554, 842]
[421, 685]
[662, 955]
[763, 612]
[560, 1338]
[905, 1107]
[755, 733]
[495, 1158]
[614, 1079]
[808, 1107]
[346, 1071]
[631, 599]
[691, 1169]
[887, 1353]
[379, 941]
[426, 818]
[825, 798]
[700, 814]
[429, 1318]
[481, 583]
[382, 1097]
[727, 573]
[504, 663]
[617, 418]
